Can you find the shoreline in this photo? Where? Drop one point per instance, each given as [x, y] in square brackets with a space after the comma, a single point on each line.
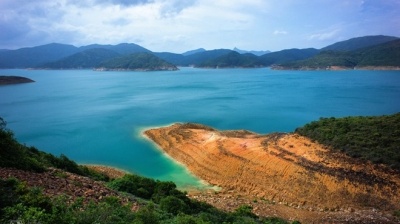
[279, 168]
[204, 184]
[110, 171]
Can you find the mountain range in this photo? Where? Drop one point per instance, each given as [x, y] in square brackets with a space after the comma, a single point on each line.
[361, 52]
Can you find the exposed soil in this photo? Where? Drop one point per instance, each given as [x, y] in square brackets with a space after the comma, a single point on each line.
[280, 174]
[108, 171]
[55, 182]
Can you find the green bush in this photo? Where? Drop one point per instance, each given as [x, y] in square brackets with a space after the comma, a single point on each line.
[376, 139]
[173, 205]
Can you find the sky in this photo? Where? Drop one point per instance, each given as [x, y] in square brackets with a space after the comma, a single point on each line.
[181, 25]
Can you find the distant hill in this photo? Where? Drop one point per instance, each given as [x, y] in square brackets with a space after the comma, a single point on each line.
[257, 53]
[37, 56]
[124, 48]
[199, 58]
[232, 60]
[361, 51]
[192, 59]
[137, 62]
[176, 59]
[381, 56]
[86, 59]
[33, 56]
[193, 51]
[358, 43]
[288, 55]
[386, 54]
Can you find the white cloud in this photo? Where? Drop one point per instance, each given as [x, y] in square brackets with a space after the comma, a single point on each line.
[280, 32]
[325, 35]
[179, 25]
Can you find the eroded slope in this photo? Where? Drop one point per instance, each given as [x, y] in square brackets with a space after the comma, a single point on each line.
[286, 168]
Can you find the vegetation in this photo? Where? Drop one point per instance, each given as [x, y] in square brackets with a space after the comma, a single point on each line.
[137, 61]
[233, 59]
[86, 59]
[358, 43]
[358, 51]
[386, 54]
[288, 55]
[376, 139]
[160, 201]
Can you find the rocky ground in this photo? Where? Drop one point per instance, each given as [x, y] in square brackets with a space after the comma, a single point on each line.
[55, 182]
[286, 175]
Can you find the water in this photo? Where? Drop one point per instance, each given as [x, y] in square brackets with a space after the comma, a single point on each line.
[97, 117]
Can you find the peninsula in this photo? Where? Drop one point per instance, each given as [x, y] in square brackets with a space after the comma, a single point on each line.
[9, 80]
[281, 168]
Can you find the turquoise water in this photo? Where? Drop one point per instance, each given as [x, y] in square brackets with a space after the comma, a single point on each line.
[97, 117]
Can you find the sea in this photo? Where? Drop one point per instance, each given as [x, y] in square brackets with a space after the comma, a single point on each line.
[98, 117]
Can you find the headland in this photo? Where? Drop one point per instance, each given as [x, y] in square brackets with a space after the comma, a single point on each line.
[285, 169]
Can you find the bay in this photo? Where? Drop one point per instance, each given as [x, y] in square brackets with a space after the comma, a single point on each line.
[98, 117]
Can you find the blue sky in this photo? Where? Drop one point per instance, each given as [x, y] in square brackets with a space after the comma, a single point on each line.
[181, 25]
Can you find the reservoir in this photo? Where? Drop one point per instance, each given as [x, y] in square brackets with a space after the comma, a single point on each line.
[98, 117]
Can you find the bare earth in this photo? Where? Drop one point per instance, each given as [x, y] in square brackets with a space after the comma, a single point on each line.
[284, 175]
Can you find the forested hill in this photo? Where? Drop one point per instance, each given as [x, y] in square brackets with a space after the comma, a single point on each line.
[374, 138]
[382, 56]
[362, 52]
[136, 62]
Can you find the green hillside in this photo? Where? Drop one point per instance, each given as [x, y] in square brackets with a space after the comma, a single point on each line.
[288, 55]
[33, 56]
[358, 43]
[86, 59]
[233, 60]
[123, 48]
[376, 138]
[137, 62]
[386, 54]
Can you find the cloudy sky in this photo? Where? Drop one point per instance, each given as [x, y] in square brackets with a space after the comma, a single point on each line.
[181, 25]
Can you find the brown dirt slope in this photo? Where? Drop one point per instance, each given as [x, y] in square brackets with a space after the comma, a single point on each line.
[55, 182]
[280, 168]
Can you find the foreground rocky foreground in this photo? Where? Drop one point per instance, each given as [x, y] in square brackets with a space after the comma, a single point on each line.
[283, 174]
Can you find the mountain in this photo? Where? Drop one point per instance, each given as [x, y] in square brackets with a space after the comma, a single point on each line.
[233, 60]
[288, 55]
[137, 62]
[358, 43]
[347, 54]
[176, 59]
[386, 54]
[40, 55]
[201, 57]
[86, 59]
[124, 48]
[381, 56]
[193, 51]
[33, 56]
[257, 53]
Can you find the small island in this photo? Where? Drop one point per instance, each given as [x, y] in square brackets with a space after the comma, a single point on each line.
[10, 80]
